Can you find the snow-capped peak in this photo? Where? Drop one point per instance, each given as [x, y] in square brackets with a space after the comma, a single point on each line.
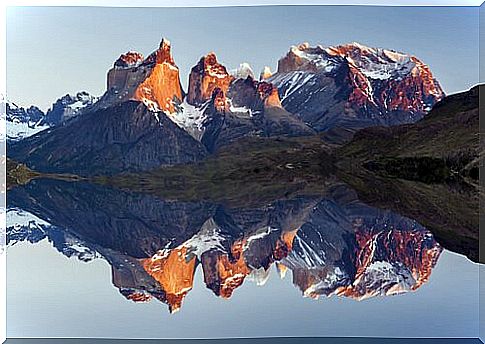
[207, 239]
[205, 77]
[375, 63]
[304, 57]
[243, 71]
[23, 122]
[68, 107]
[265, 73]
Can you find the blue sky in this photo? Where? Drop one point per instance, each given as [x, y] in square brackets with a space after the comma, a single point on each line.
[52, 51]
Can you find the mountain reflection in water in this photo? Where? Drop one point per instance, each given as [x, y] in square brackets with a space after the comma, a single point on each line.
[333, 245]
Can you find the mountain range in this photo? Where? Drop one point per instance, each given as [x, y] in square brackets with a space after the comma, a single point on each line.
[25, 122]
[145, 119]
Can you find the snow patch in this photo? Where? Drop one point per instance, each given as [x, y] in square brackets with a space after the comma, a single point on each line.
[315, 56]
[17, 218]
[16, 130]
[207, 239]
[240, 109]
[190, 118]
[292, 81]
[260, 234]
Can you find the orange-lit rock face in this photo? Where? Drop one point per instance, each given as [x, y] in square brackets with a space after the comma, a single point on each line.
[373, 263]
[137, 296]
[402, 95]
[282, 269]
[154, 81]
[361, 89]
[224, 273]
[380, 79]
[130, 59]
[284, 245]
[164, 53]
[355, 272]
[268, 94]
[231, 272]
[254, 94]
[411, 91]
[407, 247]
[175, 273]
[296, 59]
[205, 77]
[161, 87]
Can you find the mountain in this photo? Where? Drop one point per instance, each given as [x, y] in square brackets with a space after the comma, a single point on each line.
[446, 141]
[354, 86]
[68, 107]
[155, 81]
[234, 105]
[266, 73]
[243, 71]
[31, 115]
[249, 108]
[205, 77]
[122, 138]
[350, 249]
[21, 122]
[125, 130]
[24, 226]
[426, 171]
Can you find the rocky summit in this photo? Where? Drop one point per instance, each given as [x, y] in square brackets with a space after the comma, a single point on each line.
[355, 86]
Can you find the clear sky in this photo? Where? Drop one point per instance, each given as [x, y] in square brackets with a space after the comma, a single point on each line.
[52, 51]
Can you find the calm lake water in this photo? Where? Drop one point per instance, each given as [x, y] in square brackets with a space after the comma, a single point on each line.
[89, 261]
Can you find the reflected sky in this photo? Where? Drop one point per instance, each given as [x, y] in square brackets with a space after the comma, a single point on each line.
[50, 295]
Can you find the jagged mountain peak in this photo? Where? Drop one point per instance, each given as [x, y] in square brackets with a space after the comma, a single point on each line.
[207, 75]
[18, 113]
[315, 88]
[129, 59]
[243, 71]
[374, 63]
[266, 73]
[69, 106]
[23, 122]
[354, 86]
[165, 44]
[155, 81]
[164, 52]
[211, 66]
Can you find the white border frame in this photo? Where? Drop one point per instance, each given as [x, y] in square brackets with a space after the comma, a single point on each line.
[143, 3]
